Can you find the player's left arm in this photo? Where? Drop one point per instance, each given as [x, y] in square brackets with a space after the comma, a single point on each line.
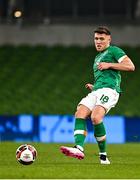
[125, 65]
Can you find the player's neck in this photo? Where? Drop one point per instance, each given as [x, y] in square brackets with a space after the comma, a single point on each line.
[105, 48]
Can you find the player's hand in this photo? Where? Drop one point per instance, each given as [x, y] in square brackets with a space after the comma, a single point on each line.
[101, 66]
[89, 86]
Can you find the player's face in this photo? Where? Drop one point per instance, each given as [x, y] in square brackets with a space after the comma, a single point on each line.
[102, 41]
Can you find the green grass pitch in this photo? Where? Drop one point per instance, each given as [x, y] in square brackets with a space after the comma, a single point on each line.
[50, 163]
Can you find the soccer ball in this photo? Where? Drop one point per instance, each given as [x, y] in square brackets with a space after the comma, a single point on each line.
[26, 154]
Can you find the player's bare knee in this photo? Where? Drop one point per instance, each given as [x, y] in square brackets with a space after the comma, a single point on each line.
[82, 112]
[79, 114]
[78, 107]
[96, 119]
[76, 114]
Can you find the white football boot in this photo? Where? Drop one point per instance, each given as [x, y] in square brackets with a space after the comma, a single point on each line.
[103, 158]
[74, 152]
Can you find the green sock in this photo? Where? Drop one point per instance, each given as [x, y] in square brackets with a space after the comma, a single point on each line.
[80, 131]
[100, 134]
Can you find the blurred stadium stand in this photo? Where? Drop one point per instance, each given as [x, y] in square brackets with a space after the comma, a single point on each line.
[54, 11]
[50, 80]
[68, 22]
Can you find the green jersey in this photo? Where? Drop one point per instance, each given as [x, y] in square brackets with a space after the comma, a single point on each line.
[109, 78]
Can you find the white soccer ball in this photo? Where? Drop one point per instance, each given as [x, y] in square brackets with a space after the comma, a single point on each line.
[26, 154]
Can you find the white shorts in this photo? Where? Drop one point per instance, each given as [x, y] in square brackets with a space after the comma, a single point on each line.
[105, 97]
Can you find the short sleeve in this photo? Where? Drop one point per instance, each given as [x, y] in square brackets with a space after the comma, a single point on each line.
[118, 53]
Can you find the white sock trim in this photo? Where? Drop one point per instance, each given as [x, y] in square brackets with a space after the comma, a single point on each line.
[80, 132]
[103, 153]
[80, 147]
[101, 138]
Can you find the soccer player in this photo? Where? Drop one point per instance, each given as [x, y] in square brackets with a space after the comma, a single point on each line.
[104, 94]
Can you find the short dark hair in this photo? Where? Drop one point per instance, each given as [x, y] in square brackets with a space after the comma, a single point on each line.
[102, 30]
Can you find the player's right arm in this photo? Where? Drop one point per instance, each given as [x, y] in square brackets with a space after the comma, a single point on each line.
[89, 86]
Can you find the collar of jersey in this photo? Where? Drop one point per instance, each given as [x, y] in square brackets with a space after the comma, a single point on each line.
[105, 49]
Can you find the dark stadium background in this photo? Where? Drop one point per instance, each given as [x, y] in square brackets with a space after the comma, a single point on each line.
[46, 56]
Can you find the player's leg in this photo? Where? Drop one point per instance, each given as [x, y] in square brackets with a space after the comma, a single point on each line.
[79, 133]
[106, 99]
[80, 129]
[100, 132]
